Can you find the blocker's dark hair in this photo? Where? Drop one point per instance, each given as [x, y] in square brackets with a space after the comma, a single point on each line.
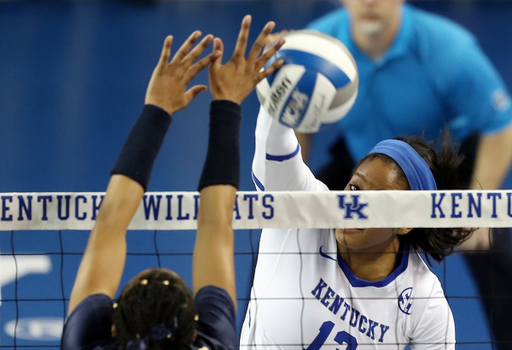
[154, 297]
[444, 161]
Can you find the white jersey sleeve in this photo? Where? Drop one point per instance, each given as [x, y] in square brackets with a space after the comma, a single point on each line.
[435, 328]
[277, 163]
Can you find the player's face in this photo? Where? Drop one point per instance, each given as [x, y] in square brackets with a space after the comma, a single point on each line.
[373, 17]
[372, 174]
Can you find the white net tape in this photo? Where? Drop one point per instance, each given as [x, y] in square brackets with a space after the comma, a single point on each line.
[178, 210]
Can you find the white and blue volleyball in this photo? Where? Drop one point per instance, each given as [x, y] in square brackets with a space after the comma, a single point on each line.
[317, 85]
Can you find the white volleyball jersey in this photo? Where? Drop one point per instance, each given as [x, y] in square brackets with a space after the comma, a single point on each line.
[304, 296]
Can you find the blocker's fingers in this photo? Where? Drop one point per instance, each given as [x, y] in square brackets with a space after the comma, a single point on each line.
[260, 63]
[194, 91]
[166, 52]
[186, 46]
[261, 41]
[202, 64]
[243, 37]
[273, 67]
[198, 49]
[219, 47]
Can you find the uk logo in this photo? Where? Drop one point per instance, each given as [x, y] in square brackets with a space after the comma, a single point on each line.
[405, 301]
[354, 208]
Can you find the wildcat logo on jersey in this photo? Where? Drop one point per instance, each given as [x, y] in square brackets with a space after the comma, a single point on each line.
[352, 208]
[405, 301]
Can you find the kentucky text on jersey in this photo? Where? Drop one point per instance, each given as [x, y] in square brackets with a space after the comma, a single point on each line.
[474, 204]
[334, 303]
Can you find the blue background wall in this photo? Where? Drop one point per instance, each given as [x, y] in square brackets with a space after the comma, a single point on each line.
[72, 81]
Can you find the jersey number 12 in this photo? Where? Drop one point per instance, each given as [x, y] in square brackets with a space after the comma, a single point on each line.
[342, 338]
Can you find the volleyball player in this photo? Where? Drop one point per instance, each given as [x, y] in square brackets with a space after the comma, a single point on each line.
[351, 288]
[156, 309]
[392, 41]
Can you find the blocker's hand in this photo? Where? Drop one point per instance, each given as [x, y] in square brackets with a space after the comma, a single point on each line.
[168, 85]
[273, 38]
[235, 80]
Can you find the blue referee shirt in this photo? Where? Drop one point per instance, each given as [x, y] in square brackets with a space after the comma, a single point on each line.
[434, 75]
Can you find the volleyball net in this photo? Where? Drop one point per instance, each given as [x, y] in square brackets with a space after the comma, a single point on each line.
[43, 236]
[256, 210]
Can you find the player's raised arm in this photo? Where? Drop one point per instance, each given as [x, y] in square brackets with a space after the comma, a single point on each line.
[103, 262]
[230, 84]
[277, 164]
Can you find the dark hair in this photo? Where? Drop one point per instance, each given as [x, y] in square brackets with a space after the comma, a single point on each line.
[444, 161]
[154, 297]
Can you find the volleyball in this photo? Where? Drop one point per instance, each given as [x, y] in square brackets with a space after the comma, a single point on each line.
[317, 85]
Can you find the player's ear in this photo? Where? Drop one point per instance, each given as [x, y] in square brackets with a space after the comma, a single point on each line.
[113, 331]
[403, 231]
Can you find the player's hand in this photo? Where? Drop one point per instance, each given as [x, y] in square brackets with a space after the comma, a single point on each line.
[273, 38]
[167, 88]
[235, 80]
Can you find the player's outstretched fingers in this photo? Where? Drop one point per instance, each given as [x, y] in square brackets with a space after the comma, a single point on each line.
[272, 38]
[202, 64]
[269, 70]
[194, 91]
[258, 45]
[217, 46]
[166, 53]
[243, 38]
[197, 50]
[185, 48]
[263, 59]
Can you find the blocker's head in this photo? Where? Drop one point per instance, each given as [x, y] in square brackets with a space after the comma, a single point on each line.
[156, 307]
